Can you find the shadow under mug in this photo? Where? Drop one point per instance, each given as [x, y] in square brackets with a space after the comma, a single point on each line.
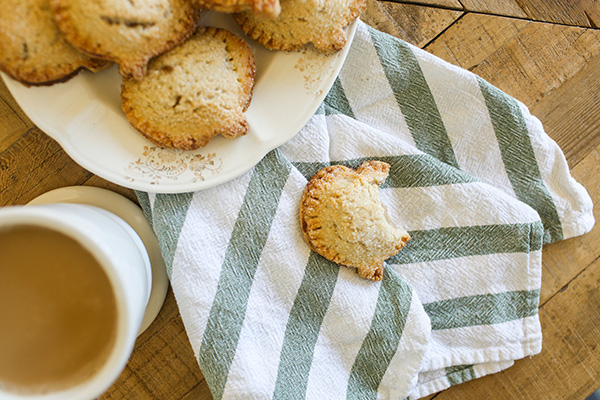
[119, 251]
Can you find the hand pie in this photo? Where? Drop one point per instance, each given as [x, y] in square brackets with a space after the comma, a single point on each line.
[343, 220]
[267, 8]
[194, 92]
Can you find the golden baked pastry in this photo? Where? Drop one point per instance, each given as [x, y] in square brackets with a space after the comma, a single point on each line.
[33, 51]
[128, 32]
[343, 219]
[194, 92]
[320, 22]
[267, 8]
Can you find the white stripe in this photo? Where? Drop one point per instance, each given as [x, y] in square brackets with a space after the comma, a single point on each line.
[456, 205]
[510, 340]
[341, 336]
[466, 119]
[403, 371]
[573, 204]
[368, 90]
[351, 139]
[473, 275]
[279, 274]
[206, 232]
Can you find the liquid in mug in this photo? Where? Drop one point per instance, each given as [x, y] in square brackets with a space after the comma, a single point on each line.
[58, 313]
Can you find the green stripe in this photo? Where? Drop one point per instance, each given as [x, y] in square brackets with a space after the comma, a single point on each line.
[485, 309]
[381, 343]
[463, 241]
[242, 256]
[519, 158]
[336, 101]
[169, 214]
[413, 96]
[413, 170]
[302, 330]
[460, 374]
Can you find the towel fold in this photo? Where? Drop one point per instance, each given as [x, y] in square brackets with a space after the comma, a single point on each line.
[475, 181]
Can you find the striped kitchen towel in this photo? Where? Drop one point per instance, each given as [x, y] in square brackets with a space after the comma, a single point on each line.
[474, 179]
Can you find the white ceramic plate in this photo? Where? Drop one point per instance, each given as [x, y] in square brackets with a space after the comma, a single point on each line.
[84, 116]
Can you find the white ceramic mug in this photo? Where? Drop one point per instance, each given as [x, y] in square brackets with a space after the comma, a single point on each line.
[123, 257]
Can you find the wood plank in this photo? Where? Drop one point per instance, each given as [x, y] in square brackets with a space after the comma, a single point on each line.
[593, 14]
[104, 184]
[128, 386]
[10, 101]
[570, 356]
[415, 24]
[34, 165]
[563, 261]
[473, 38]
[570, 113]
[569, 12]
[512, 63]
[583, 13]
[528, 62]
[199, 392]
[455, 4]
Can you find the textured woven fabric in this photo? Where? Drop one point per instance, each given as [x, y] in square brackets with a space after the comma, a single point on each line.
[474, 179]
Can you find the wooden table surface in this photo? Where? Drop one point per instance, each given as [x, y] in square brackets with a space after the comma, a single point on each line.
[545, 53]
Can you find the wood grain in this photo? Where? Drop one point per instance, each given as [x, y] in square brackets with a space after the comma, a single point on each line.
[455, 4]
[569, 12]
[162, 365]
[102, 183]
[563, 261]
[510, 7]
[570, 112]
[474, 38]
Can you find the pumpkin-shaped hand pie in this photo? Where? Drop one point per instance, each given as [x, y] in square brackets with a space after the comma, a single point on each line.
[343, 219]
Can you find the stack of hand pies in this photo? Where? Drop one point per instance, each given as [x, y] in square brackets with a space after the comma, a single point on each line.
[183, 84]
